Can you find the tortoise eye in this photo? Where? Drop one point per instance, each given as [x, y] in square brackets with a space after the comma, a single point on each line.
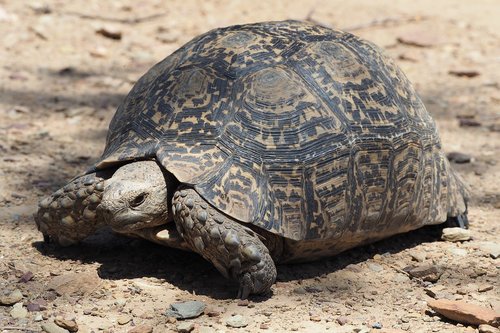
[138, 200]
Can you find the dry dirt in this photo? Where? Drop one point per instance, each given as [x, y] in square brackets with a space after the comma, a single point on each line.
[61, 82]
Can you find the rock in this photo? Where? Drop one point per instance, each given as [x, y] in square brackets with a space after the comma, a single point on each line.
[377, 325]
[264, 326]
[436, 291]
[426, 272]
[206, 329]
[468, 122]
[53, 328]
[75, 284]
[186, 310]
[342, 320]
[110, 32]
[375, 267]
[243, 302]
[33, 307]
[237, 321]
[99, 52]
[12, 298]
[185, 327]
[492, 248]
[18, 311]
[487, 329]
[213, 313]
[68, 324]
[123, 319]
[458, 157]
[455, 235]
[465, 313]
[458, 251]
[315, 318]
[418, 256]
[299, 291]
[484, 288]
[26, 277]
[38, 317]
[464, 72]
[142, 329]
[314, 289]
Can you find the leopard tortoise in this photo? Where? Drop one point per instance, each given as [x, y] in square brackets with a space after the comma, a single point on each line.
[263, 143]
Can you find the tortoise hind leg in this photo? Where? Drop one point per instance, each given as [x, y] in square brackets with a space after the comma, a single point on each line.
[70, 214]
[235, 250]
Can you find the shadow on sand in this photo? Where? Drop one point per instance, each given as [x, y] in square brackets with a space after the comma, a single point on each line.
[126, 258]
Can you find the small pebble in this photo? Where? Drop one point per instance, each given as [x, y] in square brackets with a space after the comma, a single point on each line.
[123, 320]
[186, 310]
[375, 267]
[142, 329]
[427, 272]
[185, 327]
[418, 256]
[485, 288]
[484, 328]
[243, 302]
[68, 324]
[315, 318]
[299, 291]
[237, 321]
[456, 235]
[18, 311]
[458, 158]
[12, 298]
[53, 328]
[342, 320]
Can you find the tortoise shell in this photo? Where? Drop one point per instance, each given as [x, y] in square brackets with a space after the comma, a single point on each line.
[301, 130]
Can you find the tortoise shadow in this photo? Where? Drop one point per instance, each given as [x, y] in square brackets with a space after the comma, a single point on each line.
[126, 258]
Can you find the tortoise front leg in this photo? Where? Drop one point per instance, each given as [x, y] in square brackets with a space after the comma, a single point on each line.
[235, 250]
[70, 214]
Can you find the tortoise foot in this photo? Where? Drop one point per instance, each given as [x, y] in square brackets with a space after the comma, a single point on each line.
[235, 250]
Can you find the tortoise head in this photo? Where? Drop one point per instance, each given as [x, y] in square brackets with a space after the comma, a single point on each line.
[136, 197]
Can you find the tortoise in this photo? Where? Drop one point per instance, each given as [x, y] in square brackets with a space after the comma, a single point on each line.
[263, 143]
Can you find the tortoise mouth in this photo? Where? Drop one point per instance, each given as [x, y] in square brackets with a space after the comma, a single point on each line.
[128, 220]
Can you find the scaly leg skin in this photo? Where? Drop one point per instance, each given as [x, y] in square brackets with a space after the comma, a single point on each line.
[69, 214]
[235, 250]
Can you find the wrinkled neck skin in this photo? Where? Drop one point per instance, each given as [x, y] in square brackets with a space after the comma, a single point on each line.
[137, 196]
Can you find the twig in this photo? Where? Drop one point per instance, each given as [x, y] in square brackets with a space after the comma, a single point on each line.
[116, 20]
[382, 22]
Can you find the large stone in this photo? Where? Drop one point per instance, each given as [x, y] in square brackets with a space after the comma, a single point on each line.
[186, 310]
[465, 313]
[75, 284]
[455, 235]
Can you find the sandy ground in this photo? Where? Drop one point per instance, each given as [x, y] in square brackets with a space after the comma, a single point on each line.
[60, 84]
